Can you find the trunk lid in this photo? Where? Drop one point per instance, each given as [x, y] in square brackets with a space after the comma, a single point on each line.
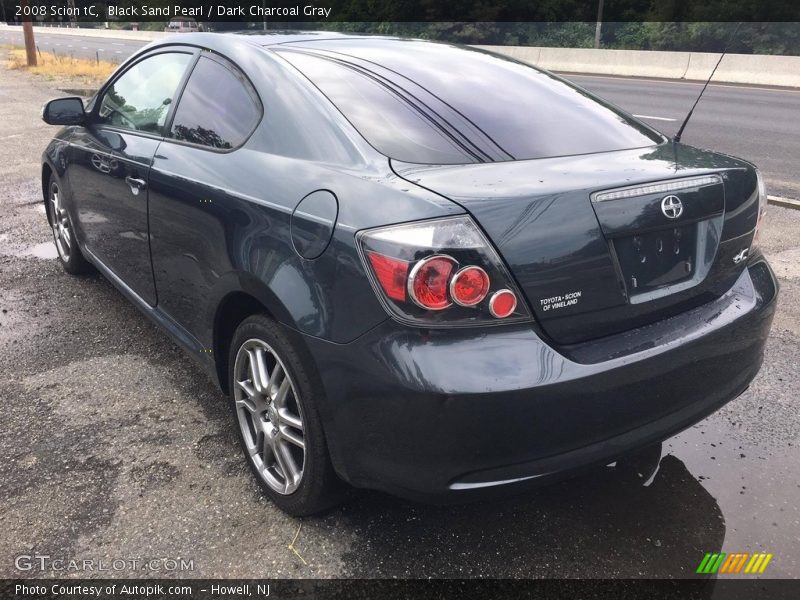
[593, 252]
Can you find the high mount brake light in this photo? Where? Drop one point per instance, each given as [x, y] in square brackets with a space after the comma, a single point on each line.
[441, 272]
[657, 188]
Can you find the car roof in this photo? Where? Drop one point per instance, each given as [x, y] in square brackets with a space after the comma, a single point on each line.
[273, 38]
[276, 38]
[228, 41]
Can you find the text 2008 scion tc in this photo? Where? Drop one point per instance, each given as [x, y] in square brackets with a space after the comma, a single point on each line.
[412, 266]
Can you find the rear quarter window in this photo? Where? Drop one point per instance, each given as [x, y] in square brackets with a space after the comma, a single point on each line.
[389, 123]
[218, 108]
[525, 112]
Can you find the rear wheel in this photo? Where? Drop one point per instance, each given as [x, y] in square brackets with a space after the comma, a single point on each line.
[63, 234]
[273, 397]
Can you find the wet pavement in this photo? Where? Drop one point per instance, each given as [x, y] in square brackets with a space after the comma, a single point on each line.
[114, 445]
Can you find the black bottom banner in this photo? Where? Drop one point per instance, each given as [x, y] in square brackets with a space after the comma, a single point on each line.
[353, 589]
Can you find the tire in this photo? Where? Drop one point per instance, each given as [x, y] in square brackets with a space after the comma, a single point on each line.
[268, 404]
[69, 254]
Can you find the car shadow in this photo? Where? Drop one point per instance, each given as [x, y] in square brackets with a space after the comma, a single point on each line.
[595, 525]
[600, 524]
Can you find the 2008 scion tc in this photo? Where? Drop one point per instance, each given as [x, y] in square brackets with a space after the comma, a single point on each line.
[412, 266]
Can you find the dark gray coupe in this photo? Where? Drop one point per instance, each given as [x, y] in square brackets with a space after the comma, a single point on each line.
[413, 266]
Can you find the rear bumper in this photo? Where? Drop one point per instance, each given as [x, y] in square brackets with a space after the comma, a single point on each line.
[438, 414]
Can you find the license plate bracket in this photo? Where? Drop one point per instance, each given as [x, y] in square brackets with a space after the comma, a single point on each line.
[656, 259]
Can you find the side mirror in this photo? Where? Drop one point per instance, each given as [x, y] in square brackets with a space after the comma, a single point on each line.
[64, 111]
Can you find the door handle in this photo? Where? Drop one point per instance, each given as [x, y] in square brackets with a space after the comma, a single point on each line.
[136, 185]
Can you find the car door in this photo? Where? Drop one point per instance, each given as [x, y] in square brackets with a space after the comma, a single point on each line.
[110, 165]
[192, 199]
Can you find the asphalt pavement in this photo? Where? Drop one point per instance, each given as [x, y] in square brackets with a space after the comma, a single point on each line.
[114, 445]
[111, 49]
[759, 124]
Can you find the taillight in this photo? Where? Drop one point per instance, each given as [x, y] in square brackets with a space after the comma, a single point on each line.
[469, 286]
[427, 285]
[762, 208]
[391, 274]
[502, 303]
[440, 272]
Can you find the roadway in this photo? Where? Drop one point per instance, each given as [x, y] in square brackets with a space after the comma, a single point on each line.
[757, 123]
[111, 49]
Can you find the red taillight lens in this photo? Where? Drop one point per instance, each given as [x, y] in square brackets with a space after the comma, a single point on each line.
[392, 274]
[469, 286]
[440, 273]
[429, 281]
[502, 303]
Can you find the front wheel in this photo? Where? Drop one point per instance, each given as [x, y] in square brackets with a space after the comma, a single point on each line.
[274, 401]
[63, 233]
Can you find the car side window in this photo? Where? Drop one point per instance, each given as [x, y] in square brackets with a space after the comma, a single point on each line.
[140, 98]
[218, 108]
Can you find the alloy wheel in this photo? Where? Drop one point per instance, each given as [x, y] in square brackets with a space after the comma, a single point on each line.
[269, 416]
[60, 221]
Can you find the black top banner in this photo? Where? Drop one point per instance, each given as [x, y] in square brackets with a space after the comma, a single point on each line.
[497, 11]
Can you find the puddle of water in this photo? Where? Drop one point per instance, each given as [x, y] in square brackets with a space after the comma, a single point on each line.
[755, 487]
[46, 250]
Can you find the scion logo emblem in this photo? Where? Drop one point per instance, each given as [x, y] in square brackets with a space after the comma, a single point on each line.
[672, 207]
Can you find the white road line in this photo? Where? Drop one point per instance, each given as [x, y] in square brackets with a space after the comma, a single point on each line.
[117, 44]
[654, 118]
[117, 51]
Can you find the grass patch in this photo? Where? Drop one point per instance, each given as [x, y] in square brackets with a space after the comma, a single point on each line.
[54, 66]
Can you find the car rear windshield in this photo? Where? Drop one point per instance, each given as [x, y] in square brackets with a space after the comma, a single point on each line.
[439, 104]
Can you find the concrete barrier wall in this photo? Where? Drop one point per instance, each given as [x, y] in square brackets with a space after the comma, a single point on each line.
[747, 68]
[754, 69]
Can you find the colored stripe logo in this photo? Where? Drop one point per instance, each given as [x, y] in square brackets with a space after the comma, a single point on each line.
[736, 562]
